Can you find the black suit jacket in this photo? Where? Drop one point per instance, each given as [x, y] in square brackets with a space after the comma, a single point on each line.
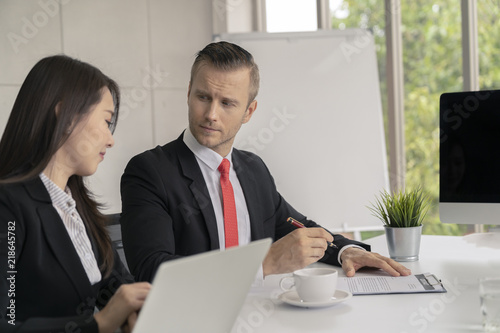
[51, 290]
[167, 212]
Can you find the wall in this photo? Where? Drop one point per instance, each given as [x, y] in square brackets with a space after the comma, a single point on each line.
[146, 46]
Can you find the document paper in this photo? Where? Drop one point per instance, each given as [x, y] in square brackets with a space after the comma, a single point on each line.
[376, 285]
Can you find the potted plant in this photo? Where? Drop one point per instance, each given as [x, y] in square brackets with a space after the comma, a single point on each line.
[402, 214]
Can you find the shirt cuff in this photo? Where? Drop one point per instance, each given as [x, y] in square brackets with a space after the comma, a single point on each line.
[345, 248]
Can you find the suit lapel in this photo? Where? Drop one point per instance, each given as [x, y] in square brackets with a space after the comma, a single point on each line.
[198, 187]
[58, 239]
[249, 186]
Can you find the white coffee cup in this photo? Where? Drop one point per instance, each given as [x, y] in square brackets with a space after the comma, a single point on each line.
[312, 284]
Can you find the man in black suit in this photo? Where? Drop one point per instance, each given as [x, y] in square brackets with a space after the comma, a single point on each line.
[172, 201]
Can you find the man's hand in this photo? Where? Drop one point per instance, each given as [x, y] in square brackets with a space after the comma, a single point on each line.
[296, 250]
[354, 258]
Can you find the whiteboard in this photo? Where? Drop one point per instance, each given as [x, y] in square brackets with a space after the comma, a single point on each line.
[318, 124]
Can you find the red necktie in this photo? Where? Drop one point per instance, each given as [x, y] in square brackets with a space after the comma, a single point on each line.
[230, 220]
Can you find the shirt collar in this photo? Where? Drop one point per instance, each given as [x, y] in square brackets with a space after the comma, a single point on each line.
[60, 199]
[204, 154]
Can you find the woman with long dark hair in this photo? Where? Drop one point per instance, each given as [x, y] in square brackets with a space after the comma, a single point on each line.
[56, 260]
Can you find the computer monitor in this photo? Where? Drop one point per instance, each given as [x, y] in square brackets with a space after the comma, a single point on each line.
[469, 173]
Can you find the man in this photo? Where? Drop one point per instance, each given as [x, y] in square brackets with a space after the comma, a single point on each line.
[178, 200]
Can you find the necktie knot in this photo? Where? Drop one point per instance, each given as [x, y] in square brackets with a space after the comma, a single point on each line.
[224, 167]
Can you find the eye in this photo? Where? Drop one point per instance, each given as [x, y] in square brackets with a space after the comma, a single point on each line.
[110, 124]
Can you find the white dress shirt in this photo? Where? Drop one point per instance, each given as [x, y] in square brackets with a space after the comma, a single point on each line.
[66, 207]
[209, 161]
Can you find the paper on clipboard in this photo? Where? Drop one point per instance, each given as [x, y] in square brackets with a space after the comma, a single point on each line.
[379, 285]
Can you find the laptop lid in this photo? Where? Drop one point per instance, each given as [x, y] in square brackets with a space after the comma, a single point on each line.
[203, 292]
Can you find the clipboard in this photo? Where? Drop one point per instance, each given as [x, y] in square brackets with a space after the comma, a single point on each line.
[383, 285]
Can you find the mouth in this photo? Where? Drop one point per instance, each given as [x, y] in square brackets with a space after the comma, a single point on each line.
[208, 129]
[102, 155]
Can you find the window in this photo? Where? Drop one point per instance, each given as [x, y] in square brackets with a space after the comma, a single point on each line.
[488, 31]
[291, 15]
[369, 15]
[432, 64]
[488, 19]
[365, 14]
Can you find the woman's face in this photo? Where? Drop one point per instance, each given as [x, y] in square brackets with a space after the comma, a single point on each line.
[87, 144]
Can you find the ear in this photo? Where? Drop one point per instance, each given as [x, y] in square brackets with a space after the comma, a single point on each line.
[58, 109]
[249, 112]
[189, 89]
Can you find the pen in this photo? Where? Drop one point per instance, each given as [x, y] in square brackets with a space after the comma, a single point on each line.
[300, 225]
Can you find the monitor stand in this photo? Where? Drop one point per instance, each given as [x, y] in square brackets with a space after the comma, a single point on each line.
[486, 239]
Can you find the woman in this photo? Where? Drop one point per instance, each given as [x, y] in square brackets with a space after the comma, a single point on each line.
[56, 259]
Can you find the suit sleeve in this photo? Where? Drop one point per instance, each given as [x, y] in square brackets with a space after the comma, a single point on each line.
[49, 325]
[285, 210]
[331, 254]
[81, 323]
[12, 236]
[147, 227]
[119, 275]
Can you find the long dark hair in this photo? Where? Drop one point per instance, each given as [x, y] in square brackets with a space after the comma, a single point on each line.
[35, 132]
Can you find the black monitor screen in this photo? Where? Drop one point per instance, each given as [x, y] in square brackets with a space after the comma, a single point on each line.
[470, 147]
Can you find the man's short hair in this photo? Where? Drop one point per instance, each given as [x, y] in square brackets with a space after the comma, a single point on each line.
[227, 56]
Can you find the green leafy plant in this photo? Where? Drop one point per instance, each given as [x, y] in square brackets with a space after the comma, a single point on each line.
[401, 209]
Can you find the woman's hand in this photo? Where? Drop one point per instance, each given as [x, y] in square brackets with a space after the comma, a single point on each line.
[122, 307]
[130, 323]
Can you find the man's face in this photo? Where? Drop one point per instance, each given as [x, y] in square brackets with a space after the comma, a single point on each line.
[218, 106]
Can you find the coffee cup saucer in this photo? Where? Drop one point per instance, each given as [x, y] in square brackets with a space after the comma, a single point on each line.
[291, 297]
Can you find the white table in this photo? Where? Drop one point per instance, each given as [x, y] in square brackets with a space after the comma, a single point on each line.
[458, 261]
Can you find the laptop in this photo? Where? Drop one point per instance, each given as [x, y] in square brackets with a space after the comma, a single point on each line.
[203, 292]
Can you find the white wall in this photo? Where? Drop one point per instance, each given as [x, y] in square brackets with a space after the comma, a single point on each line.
[146, 46]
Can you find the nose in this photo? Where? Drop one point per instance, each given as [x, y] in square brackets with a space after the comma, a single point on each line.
[212, 113]
[111, 141]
